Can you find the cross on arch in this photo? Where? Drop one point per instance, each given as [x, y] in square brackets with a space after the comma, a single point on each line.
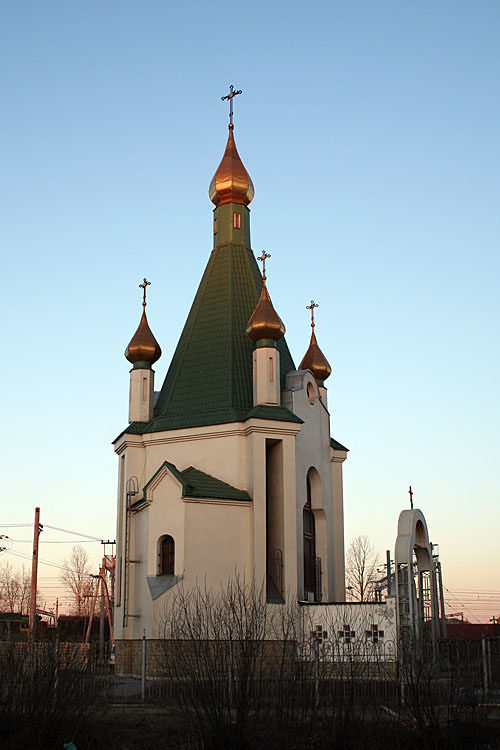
[311, 308]
[144, 286]
[230, 97]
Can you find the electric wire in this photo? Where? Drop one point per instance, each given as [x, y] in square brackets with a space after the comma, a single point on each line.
[461, 604]
[76, 533]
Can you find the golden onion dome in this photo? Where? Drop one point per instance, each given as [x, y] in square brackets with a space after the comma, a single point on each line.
[315, 360]
[143, 346]
[265, 323]
[231, 183]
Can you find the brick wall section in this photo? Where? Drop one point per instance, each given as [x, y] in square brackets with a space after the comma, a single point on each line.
[160, 655]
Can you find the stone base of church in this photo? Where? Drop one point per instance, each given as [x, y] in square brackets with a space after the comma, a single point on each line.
[160, 654]
[273, 658]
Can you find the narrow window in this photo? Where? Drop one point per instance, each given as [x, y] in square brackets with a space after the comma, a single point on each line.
[311, 395]
[144, 388]
[271, 370]
[237, 220]
[309, 542]
[167, 556]
[215, 226]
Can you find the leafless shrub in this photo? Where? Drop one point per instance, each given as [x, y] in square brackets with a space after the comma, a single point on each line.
[14, 589]
[47, 697]
[76, 577]
[361, 569]
[232, 657]
[250, 674]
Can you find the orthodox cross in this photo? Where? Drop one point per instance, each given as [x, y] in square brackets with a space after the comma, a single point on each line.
[230, 97]
[144, 286]
[410, 492]
[311, 308]
[262, 258]
[346, 634]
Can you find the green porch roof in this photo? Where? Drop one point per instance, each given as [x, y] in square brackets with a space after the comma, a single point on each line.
[197, 484]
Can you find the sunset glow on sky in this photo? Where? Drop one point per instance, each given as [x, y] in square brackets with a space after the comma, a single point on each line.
[370, 131]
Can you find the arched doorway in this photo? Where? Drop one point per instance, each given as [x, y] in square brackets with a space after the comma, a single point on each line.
[309, 547]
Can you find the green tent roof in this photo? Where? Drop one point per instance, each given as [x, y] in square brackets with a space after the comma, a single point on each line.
[210, 378]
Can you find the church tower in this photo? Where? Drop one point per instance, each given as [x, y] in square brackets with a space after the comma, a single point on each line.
[233, 471]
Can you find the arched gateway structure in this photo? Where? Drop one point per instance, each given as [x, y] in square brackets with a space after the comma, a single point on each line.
[417, 574]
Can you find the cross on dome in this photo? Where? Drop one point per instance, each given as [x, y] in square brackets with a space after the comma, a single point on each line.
[230, 97]
[144, 286]
[311, 308]
[262, 259]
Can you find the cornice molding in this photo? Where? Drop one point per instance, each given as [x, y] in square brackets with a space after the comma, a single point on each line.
[267, 426]
[217, 501]
[338, 457]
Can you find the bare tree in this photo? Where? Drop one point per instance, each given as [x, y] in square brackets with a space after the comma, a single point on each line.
[361, 568]
[76, 577]
[14, 589]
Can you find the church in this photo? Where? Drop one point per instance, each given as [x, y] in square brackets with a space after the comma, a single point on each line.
[231, 468]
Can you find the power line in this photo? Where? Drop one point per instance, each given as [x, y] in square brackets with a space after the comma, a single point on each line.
[14, 525]
[28, 557]
[461, 604]
[76, 533]
[54, 541]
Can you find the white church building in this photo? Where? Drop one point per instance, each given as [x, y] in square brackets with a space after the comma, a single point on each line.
[231, 468]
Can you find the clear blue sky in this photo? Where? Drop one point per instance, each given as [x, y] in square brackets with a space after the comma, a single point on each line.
[370, 130]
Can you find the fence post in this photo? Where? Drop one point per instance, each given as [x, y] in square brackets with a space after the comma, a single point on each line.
[143, 667]
[316, 670]
[488, 654]
[230, 676]
[485, 664]
[56, 668]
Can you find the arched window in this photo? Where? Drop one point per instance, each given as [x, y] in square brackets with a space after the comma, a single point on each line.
[166, 556]
[309, 533]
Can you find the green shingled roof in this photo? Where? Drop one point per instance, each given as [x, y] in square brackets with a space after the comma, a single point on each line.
[210, 379]
[197, 484]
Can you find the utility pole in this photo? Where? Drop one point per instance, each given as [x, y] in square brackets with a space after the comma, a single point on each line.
[34, 574]
[101, 624]
[389, 571]
[101, 588]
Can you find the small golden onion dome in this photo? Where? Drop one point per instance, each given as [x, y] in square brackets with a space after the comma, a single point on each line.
[231, 183]
[315, 360]
[265, 323]
[143, 346]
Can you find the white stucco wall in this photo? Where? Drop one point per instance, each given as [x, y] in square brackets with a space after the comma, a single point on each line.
[312, 448]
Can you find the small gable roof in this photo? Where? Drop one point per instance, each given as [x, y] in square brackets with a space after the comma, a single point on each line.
[197, 484]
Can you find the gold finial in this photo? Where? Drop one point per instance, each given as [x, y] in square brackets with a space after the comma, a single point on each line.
[311, 308]
[144, 286]
[314, 359]
[230, 97]
[265, 323]
[262, 259]
[143, 347]
[231, 182]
